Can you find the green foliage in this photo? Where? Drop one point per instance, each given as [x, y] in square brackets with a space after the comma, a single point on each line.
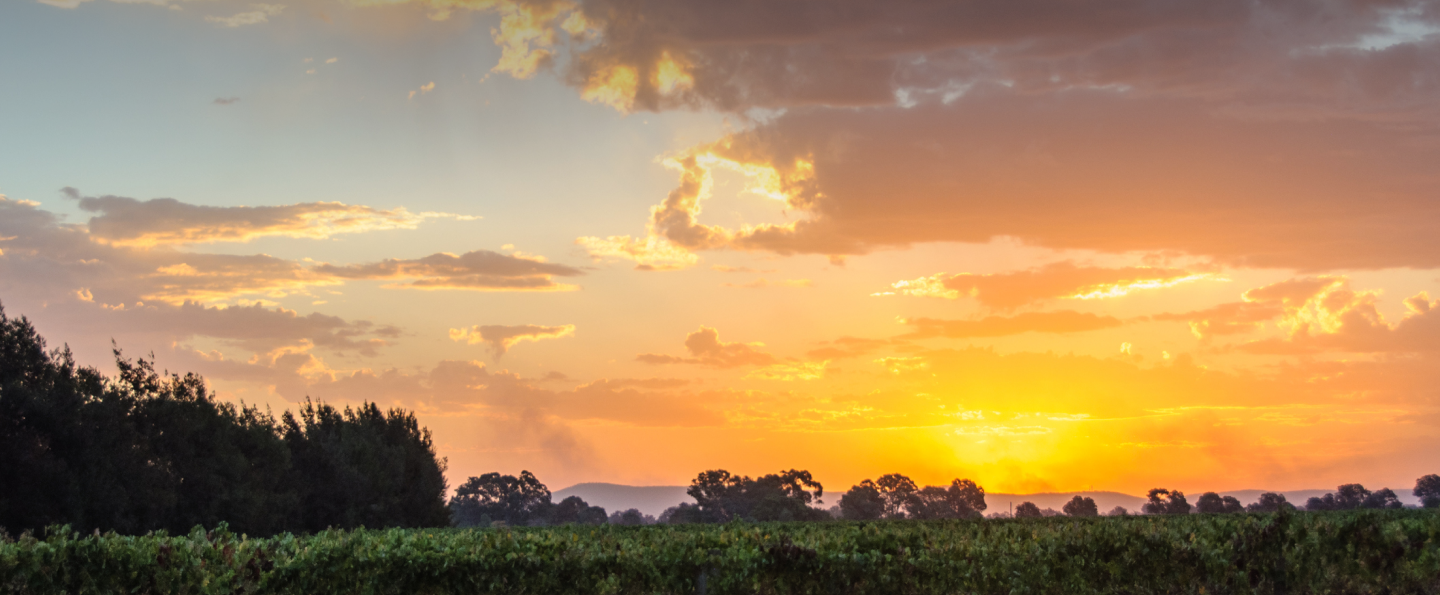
[1362, 551]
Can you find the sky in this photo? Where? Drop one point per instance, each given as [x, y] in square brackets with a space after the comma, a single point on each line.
[1047, 245]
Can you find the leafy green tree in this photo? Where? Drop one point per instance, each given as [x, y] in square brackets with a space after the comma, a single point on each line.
[1270, 502]
[1028, 510]
[495, 497]
[862, 503]
[1081, 506]
[1427, 489]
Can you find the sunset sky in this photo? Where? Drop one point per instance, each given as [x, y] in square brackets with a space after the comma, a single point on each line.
[1048, 245]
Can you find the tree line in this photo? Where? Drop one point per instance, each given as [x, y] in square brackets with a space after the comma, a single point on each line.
[143, 451]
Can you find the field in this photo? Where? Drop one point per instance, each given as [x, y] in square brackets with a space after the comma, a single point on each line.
[1344, 552]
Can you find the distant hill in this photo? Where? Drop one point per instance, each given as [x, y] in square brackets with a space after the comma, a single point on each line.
[653, 500]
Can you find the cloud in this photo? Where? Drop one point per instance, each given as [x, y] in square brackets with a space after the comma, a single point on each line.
[123, 221]
[649, 254]
[1064, 321]
[501, 338]
[225, 100]
[847, 347]
[255, 328]
[1255, 134]
[261, 13]
[762, 283]
[1314, 195]
[1061, 280]
[480, 270]
[790, 371]
[134, 260]
[425, 88]
[706, 349]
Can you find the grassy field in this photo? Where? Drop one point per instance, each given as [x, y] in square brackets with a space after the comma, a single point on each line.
[1345, 552]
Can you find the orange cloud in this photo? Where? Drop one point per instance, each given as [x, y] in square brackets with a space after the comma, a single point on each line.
[762, 283]
[1064, 321]
[706, 349]
[501, 338]
[1061, 280]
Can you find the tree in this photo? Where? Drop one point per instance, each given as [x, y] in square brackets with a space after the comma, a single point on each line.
[1118, 511]
[1028, 510]
[1212, 503]
[1233, 505]
[575, 510]
[1351, 496]
[364, 467]
[1270, 502]
[631, 517]
[495, 497]
[1347, 497]
[862, 503]
[720, 497]
[1321, 503]
[1382, 498]
[961, 499]
[1081, 506]
[899, 493]
[1427, 489]
[1172, 503]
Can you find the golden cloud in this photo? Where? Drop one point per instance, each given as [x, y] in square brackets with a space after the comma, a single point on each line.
[1064, 321]
[1061, 280]
[122, 221]
[501, 338]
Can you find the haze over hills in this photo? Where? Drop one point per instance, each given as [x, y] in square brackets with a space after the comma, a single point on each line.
[653, 500]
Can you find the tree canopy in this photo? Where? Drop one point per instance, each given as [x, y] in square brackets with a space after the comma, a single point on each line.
[147, 450]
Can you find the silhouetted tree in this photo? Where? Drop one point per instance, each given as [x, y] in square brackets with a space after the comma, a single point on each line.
[631, 517]
[1347, 497]
[1212, 503]
[495, 497]
[720, 496]
[1351, 496]
[1270, 502]
[1382, 498]
[862, 503]
[1028, 510]
[1321, 503]
[1172, 503]
[1118, 511]
[1427, 489]
[364, 467]
[149, 450]
[575, 510]
[1081, 506]
[899, 493]
[961, 499]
